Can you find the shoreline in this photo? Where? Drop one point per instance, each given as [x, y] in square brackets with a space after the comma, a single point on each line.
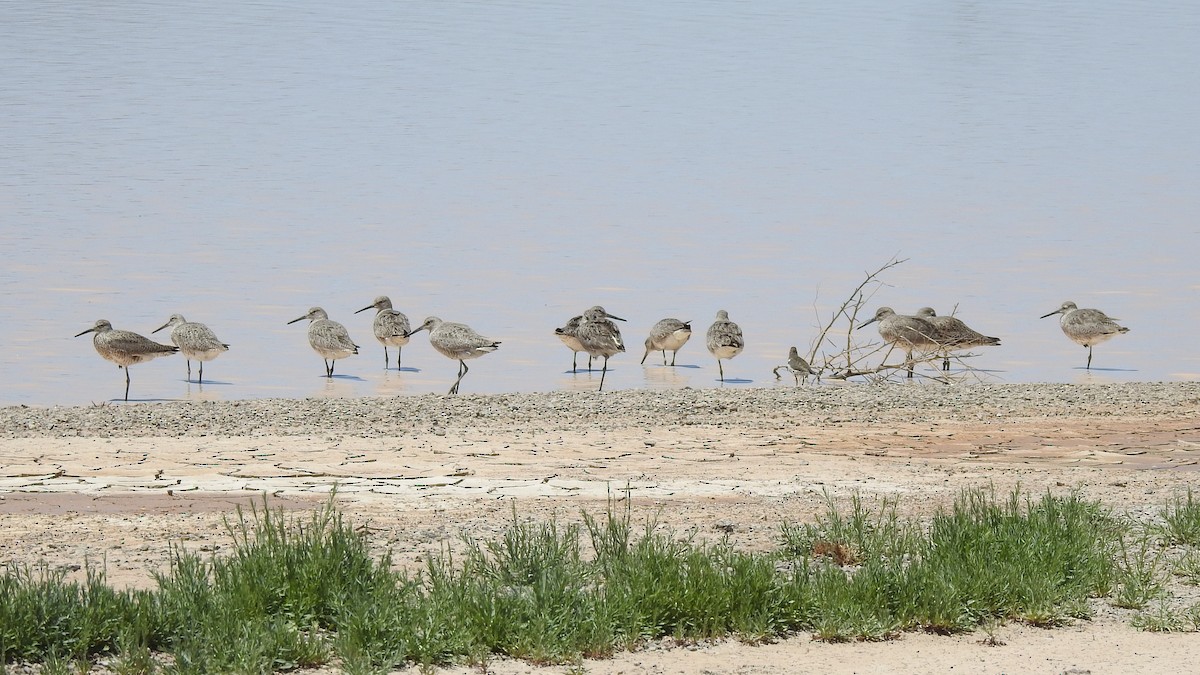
[571, 410]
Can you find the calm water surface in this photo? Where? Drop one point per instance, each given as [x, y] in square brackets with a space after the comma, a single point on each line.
[508, 165]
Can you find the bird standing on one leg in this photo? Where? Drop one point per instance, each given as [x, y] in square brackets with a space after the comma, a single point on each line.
[1088, 327]
[725, 340]
[569, 338]
[125, 348]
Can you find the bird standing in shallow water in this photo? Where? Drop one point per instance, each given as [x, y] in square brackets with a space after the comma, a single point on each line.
[328, 338]
[390, 327]
[600, 337]
[953, 334]
[906, 332]
[668, 334]
[125, 348]
[569, 338]
[796, 365]
[1088, 327]
[456, 341]
[724, 340]
[195, 341]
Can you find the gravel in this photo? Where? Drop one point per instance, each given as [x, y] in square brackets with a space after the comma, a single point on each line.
[619, 409]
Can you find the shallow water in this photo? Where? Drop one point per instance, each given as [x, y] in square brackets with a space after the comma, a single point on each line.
[508, 165]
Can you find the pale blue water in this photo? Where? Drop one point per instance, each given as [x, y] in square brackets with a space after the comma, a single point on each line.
[508, 165]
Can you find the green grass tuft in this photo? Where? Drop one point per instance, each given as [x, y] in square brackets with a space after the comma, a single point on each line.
[985, 560]
[1181, 520]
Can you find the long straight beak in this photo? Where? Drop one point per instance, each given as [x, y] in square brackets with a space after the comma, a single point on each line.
[1057, 311]
[85, 332]
[300, 319]
[414, 331]
[366, 308]
[866, 323]
[613, 317]
[160, 328]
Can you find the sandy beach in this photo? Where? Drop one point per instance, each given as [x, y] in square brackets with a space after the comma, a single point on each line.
[117, 484]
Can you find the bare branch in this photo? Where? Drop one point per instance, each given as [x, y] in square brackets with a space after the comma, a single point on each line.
[835, 354]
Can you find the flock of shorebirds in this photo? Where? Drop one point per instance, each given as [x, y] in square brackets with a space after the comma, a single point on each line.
[592, 332]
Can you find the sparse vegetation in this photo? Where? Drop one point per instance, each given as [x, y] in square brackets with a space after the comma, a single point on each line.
[1141, 570]
[298, 593]
[1163, 618]
[1181, 520]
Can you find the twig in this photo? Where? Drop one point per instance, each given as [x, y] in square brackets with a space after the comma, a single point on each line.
[849, 309]
[847, 360]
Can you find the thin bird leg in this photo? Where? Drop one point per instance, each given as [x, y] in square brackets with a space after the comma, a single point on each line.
[397, 358]
[574, 358]
[385, 357]
[189, 365]
[461, 372]
[909, 360]
[603, 373]
[673, 355]
[1089, 365]
[664, 357]
[201, 370]
[589, 363]
[721, 369]
[126, 384]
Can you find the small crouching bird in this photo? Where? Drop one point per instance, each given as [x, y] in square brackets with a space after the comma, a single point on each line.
[796, 365]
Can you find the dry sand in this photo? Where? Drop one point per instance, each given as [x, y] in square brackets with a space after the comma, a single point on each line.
[118, 484]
